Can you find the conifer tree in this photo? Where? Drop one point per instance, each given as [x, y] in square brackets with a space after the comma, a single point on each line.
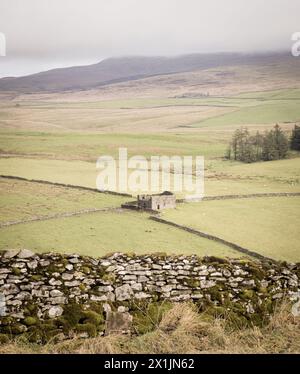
[295, 139]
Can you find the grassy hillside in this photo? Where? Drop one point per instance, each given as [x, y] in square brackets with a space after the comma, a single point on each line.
[128, 68]
[151, 115]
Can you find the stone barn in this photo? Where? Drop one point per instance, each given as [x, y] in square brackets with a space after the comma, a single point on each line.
[164, 200]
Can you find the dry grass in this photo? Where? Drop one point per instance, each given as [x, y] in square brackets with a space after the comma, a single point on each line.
[151, 105]
[184, 330]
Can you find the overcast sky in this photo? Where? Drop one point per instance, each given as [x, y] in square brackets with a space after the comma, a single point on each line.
[43, 34]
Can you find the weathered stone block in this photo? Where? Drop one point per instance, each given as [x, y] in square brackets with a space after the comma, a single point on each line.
[118, 323]
[124, 292]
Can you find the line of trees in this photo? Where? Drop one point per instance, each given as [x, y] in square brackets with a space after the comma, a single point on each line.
[271, 145]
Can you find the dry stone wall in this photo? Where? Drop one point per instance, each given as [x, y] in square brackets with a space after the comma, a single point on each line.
[38, 288]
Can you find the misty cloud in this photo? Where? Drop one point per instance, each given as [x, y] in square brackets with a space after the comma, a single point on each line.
[42, 34]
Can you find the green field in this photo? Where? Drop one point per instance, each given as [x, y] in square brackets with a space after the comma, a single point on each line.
[264, 113]
[151, 115]
[93, 234]
[266, 107]
[100, 233]
[60, 141]
[269, 226]
[89, 146]
[221, 177]
[20, 200]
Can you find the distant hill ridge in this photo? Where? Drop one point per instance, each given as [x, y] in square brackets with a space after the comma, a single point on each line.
[121, 69]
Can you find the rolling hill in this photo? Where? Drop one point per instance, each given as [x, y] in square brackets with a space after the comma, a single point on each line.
[122, 69]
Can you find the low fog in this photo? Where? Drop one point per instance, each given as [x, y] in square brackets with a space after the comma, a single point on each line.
[43, 34]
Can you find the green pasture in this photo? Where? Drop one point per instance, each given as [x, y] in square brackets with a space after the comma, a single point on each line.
[263, 113]
[22, 200]
[269, 226]
[100, 233]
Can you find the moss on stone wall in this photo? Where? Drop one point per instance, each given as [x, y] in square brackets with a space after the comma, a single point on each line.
[53, 296]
